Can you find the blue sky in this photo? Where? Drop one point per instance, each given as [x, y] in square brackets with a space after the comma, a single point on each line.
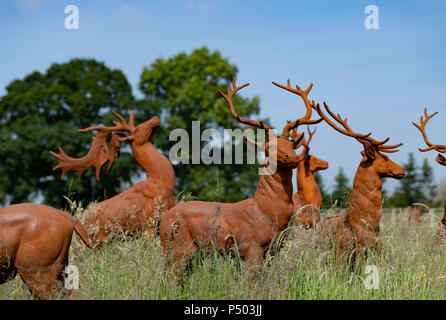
[380, 79]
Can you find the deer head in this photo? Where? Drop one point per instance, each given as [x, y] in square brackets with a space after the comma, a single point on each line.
[100, 152]
[373, 153]
[438, 147]
[284, 144]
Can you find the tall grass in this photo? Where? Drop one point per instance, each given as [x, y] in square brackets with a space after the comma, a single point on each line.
[411, 265]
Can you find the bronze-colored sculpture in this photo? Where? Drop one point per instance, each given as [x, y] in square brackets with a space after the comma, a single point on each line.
[415, 212]
[138, 208]
[34, 242]
[358, 227]
[437, 147]
[308, 198]
[251, 224]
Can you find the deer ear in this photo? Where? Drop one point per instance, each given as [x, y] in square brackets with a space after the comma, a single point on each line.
[298, 139]
[369, 152]
[256, 146]
[441, 160]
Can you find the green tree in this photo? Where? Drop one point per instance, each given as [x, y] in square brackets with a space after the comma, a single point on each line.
[320, 182]
[428, 188]
[184, 87]
[341, 192]
[440, 199]
[42, 111]
[409, 189]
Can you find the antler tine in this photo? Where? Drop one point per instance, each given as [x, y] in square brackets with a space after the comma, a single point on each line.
[306, 142]
[292, 125]
[393, 150]
[349, 132]
[99, 128]
[422, 128]
[310, 134]
[228, 98]
[99, 152]
[96, 157]
[304, 95]
[298, 90]
[123, 124]
[119, 126]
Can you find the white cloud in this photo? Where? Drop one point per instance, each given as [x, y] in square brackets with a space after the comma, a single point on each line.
[200, 6]
[204, 6]
[129, 11]
[29, 4]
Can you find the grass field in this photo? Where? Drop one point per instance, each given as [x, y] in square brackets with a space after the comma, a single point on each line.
[412, 265]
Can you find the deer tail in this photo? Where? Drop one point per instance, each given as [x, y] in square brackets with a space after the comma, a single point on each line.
[80, 230]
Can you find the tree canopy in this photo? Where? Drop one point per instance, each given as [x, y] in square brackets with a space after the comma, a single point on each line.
[45, 110]
[341, 192]
[416, 186]
[185, 87]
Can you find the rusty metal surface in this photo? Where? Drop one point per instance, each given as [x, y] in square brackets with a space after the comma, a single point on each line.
[252, 223]
[358, 227]
[140, 207]
[34, 242]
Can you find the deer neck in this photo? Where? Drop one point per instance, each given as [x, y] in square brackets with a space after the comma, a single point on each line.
[154, 163]
[274, 195]
[364, 212]
[307, 188]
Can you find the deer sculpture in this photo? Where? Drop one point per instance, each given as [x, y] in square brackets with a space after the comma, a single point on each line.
[251, 224]
[139, 207]
[34, 242]
[437, 147]
[415, 212]
[358, 227]
[308, 198]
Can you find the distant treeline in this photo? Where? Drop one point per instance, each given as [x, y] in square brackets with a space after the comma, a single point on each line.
[417, 186]
[44, 110]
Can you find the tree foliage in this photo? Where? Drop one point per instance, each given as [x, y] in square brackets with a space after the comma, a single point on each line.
[341, 192]
[42, 111]
[416, 186]
[184, 87]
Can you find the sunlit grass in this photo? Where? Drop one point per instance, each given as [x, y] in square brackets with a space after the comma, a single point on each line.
[412, 265]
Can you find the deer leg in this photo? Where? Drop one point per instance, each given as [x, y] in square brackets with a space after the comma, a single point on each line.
[254, 256]
[43, 274]
[178, 247]
[43, 283]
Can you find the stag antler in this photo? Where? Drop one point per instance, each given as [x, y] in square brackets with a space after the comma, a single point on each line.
[306, 142]
[99, 152]
[378, 145]
[228, 97]
[119, 127]
[306, 118]
[421, 127]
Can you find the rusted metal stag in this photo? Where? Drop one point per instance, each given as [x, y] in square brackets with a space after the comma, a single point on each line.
[139, 207]
[250, 225]
[308, 198]
[34, 242]
[437, 147]
[358, 227]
